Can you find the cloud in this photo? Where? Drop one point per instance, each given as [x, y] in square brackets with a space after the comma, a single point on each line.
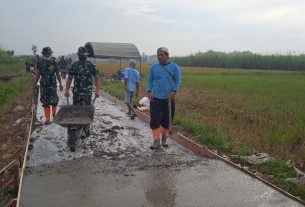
[139, 11]
[247, 12]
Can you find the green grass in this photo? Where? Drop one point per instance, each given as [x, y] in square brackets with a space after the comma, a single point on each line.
[115, 88]
[207, 134]
[268, 105]
[279, 169]
[12, 69]
[12, 89]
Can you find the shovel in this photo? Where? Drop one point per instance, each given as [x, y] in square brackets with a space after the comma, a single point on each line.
[170, 117]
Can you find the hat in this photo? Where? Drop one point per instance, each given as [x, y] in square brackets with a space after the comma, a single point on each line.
[82, 51]
[164, 49]
[132, 61]
[46, 51]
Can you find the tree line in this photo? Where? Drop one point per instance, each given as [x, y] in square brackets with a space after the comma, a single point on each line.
[244, 59]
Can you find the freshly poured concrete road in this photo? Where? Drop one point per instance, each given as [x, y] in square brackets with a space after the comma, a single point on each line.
[115, 167]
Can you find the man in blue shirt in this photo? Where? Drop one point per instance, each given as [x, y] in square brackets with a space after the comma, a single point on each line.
[162, 85]
[131, 79]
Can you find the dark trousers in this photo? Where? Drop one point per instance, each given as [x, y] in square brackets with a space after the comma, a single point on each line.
[48, 96]
[82, 99]
[159, 113]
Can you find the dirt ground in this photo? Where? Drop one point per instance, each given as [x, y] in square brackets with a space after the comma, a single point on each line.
[14, 126]
[15, 119]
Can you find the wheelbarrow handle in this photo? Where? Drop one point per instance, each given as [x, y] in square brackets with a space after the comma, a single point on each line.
[93, 101]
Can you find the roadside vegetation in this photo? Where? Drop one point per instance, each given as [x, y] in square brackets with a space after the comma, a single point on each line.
[13, 78]
[243, 60]
[239, 112]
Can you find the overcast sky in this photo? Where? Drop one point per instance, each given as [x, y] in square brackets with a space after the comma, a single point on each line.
[184, 26]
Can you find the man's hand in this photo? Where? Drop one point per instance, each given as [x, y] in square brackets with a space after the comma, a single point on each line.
[150, 95]
[67, 93]
[61, 88]
[171, 95]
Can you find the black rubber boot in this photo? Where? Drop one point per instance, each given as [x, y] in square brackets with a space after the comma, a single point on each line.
[164, 142]
[155, 145]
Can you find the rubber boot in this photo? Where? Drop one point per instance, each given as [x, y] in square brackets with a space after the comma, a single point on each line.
[47, 112]
[54, 111]
[164, 142]
[165, 134]
[156, 135]
[155, 145]
[133, 116]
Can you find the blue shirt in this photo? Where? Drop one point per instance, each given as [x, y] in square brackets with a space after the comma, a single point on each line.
[132, 76]
[163, 79]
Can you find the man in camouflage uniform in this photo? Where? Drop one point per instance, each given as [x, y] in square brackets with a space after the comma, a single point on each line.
[47, 71]
[63, 66]
[82, 71]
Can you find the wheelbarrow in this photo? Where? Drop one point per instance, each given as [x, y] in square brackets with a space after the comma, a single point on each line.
[77, 118]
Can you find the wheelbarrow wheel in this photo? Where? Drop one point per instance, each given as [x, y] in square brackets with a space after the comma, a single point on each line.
[72, 137]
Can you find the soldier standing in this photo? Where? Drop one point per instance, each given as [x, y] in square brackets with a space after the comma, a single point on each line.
[47, 71]
[63, 64]
[82, 71]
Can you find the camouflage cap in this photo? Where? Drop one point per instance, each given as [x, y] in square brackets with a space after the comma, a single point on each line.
[82, 51]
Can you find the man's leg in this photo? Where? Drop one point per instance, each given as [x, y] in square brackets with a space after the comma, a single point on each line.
[44, 98]
[53, 97]
[133, 114]
[54, 111]
[155, 119]
[165, 123]
[87, 99]
[47, 114]
[127, 102]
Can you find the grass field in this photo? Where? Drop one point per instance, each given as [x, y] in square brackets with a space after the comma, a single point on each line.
[264, 110]
[12, 88]
[12, 69]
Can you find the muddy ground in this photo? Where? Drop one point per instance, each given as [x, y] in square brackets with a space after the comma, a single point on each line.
[115, 167]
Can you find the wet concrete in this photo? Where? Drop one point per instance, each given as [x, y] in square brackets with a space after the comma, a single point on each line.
[115, 167]
[158, 180]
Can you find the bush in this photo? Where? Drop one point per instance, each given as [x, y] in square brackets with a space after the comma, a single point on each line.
[6, 57]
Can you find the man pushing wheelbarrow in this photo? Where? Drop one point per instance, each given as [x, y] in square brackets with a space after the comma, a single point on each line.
[83, 72]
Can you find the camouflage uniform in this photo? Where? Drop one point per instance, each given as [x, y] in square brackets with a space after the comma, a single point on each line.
[48, 89]
[82, 90]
